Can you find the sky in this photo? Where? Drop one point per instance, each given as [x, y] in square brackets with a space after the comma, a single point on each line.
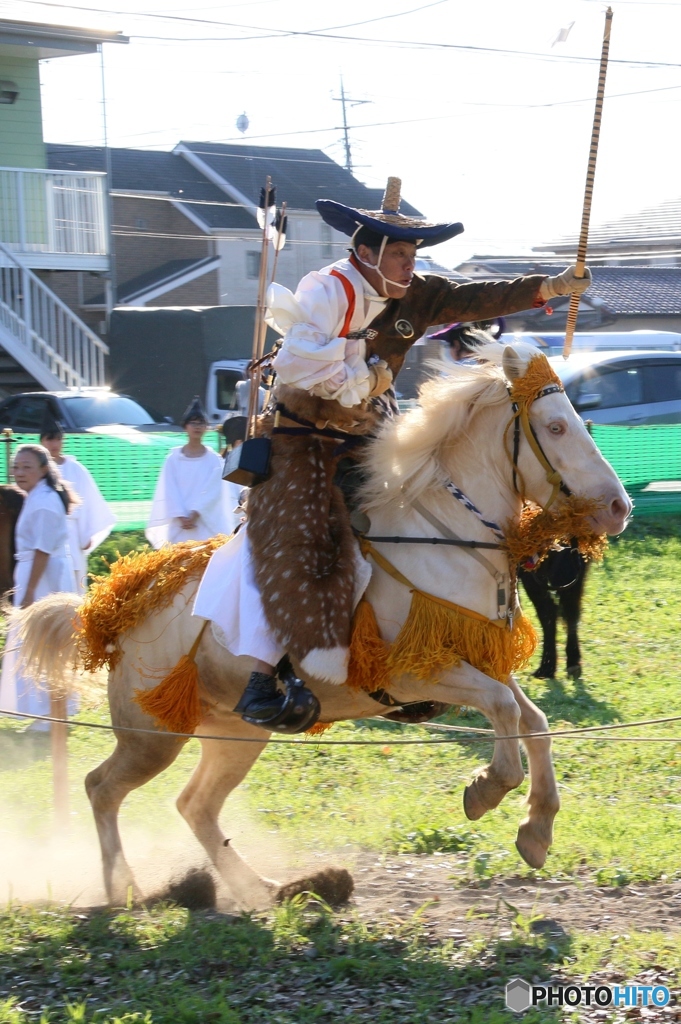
[475, 105]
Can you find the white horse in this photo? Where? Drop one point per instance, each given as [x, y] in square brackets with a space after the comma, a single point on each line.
[460, 433]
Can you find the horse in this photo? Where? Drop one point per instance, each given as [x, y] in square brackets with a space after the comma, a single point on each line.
[459, 434]
[11, 502]
[556, 588]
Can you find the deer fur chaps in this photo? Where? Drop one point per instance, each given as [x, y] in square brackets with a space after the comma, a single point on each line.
[304, 554]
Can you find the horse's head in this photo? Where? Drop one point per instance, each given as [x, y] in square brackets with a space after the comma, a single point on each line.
[551, 450]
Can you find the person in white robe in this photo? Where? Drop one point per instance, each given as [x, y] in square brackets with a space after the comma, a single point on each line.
[43, 566]
[191, 501]
[90, 522]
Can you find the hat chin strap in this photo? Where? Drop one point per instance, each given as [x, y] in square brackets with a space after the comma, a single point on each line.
[386, 280]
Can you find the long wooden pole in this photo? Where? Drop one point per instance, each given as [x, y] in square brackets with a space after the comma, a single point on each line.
[60, 771]
[589, 187]
[258, 332]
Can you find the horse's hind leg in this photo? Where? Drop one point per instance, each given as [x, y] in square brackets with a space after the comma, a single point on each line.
[535, 833]
[222, 767]
[136, 759]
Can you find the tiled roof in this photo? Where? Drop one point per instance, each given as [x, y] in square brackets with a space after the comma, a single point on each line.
[139, 170]
[301, 176]
[165, 274]
[623, 290]
[656, 226]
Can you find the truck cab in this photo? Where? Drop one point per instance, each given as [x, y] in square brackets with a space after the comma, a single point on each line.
[221, 394]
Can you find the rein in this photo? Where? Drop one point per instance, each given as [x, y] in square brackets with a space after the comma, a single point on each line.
[521, 420]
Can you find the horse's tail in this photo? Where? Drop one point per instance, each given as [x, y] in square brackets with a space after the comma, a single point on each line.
[45, 634]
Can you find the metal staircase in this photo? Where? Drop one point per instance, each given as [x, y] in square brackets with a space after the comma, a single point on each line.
[41, 339]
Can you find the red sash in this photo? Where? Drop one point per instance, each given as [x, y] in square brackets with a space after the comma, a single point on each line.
[350, 296]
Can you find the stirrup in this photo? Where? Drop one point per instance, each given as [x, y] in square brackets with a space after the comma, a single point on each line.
[299, 708]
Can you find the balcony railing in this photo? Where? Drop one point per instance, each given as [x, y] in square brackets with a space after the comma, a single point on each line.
[53, 212]
[42, 333]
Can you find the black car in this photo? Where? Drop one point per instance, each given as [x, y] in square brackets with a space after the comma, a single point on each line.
[78, 411]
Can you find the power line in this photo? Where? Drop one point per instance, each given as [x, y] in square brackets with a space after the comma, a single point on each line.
[267, 33]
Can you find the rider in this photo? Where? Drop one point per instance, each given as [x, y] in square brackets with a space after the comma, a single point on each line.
[346, 333]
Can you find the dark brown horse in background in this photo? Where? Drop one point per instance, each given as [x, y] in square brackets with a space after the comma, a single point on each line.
[11, 501]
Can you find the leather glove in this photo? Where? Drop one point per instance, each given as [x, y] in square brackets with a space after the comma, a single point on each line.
[380, 378]
[565, 284]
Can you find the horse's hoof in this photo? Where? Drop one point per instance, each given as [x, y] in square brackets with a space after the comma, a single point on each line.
[574, 671]
[333, 885]
[545, 673]
[473, 807]
[530, 849]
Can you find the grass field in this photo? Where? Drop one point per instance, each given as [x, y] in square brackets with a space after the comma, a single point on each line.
[620, 825]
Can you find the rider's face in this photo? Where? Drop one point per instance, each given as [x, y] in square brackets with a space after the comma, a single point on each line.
[397, 266]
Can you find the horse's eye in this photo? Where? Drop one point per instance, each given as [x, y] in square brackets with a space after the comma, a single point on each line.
[556, 428]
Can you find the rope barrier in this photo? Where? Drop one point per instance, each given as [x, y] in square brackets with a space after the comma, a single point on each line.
[458, 730]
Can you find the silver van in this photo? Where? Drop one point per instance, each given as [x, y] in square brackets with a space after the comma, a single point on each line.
[625, 387]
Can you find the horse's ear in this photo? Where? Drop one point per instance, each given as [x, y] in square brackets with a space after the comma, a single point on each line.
[512, 363]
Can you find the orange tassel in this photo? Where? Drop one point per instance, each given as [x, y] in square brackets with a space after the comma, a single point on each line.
[175, 702]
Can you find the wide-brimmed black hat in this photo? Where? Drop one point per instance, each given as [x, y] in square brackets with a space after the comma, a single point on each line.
[388, 220]
[194, 411]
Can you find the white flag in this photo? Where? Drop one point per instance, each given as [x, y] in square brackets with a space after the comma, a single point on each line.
[563, 34]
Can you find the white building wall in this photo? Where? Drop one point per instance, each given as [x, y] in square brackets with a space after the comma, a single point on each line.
[310, 245]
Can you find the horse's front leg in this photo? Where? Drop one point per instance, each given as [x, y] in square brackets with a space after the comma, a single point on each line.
[464, 685]
[535, 834]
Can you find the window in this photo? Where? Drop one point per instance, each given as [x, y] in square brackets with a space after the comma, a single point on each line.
[327, 242]
[96, 411]
[226, 382]
[28, 414]
[253, 264]
[663, 382]
[617, 388]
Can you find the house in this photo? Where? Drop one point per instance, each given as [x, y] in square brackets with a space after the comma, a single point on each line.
[184, 223]
[650, 237]
[621, 298]
[51, 222]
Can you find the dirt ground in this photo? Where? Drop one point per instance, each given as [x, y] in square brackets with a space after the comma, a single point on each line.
[401, 885]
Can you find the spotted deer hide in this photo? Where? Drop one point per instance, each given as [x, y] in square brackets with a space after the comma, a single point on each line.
[304, 554]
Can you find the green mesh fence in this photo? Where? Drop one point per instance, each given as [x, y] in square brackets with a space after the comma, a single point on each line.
[647, 460]
[126, 467]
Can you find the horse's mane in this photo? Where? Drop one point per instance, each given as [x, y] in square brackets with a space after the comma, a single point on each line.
[404, 459]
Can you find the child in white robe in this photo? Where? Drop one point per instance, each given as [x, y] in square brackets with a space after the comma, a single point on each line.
[191, 501]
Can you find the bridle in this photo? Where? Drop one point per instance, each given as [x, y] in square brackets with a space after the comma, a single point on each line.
[520, 419]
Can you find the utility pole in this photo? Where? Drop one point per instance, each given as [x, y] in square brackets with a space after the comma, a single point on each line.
[344, 100]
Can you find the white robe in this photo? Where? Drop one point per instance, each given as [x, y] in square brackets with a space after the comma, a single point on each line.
[90, 522]
[41, 526]
[189, 485]
[313, 356]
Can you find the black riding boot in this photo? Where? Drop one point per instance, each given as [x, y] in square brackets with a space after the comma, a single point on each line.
[261, 699]
[262, 703]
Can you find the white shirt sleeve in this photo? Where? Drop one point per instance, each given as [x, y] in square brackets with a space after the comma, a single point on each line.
[313, 356]
[47, 530]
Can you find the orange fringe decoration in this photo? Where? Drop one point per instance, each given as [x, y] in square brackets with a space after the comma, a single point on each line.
[435, 637]
[139, 584]
[537, 531]
[318, 728]
[538, 375]
[175, 701]
[368, 667]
